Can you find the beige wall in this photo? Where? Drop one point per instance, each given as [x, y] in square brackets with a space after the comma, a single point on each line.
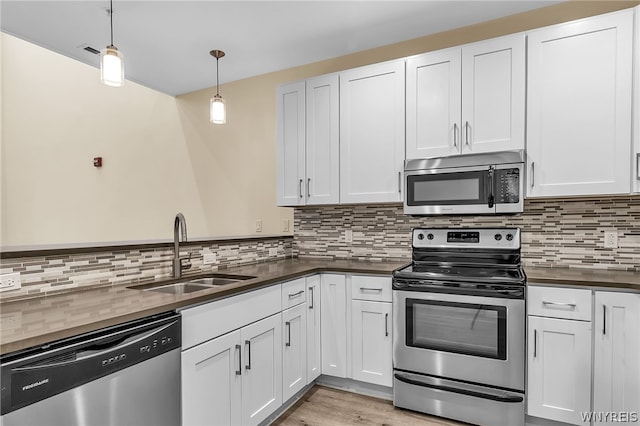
[161, 155]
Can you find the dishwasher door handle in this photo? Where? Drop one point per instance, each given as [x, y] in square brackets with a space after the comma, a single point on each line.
[96, 353]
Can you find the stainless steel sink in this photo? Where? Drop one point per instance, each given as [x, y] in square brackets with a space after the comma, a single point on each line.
[197, 284]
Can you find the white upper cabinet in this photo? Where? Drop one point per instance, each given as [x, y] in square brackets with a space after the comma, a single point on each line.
[322, 144]
[372, 133]
[467, 99]
[308, 142]
[290, 137]
[579, 107]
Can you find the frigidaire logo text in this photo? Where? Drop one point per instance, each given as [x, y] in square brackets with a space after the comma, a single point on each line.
[35, 384]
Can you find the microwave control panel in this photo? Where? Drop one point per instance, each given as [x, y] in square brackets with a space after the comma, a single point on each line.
[507, 186]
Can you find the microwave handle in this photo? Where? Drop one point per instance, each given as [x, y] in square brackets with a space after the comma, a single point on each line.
[491, 198]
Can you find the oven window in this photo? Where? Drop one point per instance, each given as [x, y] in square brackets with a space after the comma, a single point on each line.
[464, 328]
[447, 189]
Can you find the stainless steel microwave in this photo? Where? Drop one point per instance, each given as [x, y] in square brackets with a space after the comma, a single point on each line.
[490, 183]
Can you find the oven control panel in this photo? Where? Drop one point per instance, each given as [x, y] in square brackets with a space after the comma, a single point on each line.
[508, 238]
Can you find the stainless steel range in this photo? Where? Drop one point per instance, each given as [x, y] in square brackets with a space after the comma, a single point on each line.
[459, 326]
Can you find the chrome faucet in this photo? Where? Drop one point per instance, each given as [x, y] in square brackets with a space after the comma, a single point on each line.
[180, 224]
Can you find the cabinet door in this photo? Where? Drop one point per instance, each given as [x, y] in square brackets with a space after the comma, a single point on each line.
[290, 142]
[616, 382]
[372, 133]
[314, 354]
[493, 101]
[433, 104]
[211, 382]
[262, 370]
[371, 342]
[322, 143]
[333, 329]
[579, 107]
[559, 369]
[294, 350]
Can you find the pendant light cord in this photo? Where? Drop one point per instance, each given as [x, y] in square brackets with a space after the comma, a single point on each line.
[111, 18]
[217, 77]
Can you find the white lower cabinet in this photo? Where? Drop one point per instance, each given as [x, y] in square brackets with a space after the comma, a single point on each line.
[211, 382]
[371, 344]
[334, 325]
[559, 369]
[235, 378]
[314, 348]
[262, 369]
[294, 350]
[616, 370]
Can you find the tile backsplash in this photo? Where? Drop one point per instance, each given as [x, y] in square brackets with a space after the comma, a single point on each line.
[555, 233]
[54, 272]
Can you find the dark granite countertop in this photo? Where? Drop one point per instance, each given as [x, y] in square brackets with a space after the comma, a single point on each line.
[584, 277]
[37, 321]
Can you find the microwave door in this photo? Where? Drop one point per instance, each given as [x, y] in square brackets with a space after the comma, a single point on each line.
[451, 191]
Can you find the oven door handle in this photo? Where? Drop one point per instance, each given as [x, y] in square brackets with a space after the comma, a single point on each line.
[492, 397]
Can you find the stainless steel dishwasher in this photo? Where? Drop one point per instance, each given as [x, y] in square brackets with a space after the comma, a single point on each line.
[122, 375]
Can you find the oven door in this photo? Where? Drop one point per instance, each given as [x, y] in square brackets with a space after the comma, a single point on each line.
[472, 338]
[449, 191]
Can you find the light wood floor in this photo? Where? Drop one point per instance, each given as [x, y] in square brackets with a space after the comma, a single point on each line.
[327, 407]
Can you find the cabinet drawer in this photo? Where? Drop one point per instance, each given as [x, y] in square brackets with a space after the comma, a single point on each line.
[569, 303]
[377, 289]
[214, 319]
[293, 293]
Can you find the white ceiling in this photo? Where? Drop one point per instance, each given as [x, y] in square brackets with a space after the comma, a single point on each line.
[166, 43]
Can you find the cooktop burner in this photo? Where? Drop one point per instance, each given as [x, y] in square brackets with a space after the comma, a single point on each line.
[465, 255]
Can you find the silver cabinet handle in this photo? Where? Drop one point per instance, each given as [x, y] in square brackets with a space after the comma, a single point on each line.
[386, 325]
[288, 325]
[533, 163]
[399, 182]
[248, 344]
[638, 165]
[311, 304]
[466, 134]
[370, 289]
[239, 370]
[455, 134]
[568, 305]
[604, 320]
[535, 343]
[292, 295]
[308, 187]
[300, 188]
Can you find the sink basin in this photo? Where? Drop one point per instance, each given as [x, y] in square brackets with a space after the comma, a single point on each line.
[196, 284]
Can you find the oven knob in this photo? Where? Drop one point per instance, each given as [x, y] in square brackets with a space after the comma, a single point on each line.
[498, 237]
[430, 237]
[421, 236]
[509, 237]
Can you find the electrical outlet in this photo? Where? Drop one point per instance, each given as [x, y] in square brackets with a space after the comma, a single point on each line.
[208, 258]
[285, 225]
[273, 251]
[348, 236]
[258, 225]
[10, 281]
[611, 238]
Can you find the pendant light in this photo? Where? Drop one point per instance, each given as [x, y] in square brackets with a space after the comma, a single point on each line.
[111, 60]
[217, 110]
